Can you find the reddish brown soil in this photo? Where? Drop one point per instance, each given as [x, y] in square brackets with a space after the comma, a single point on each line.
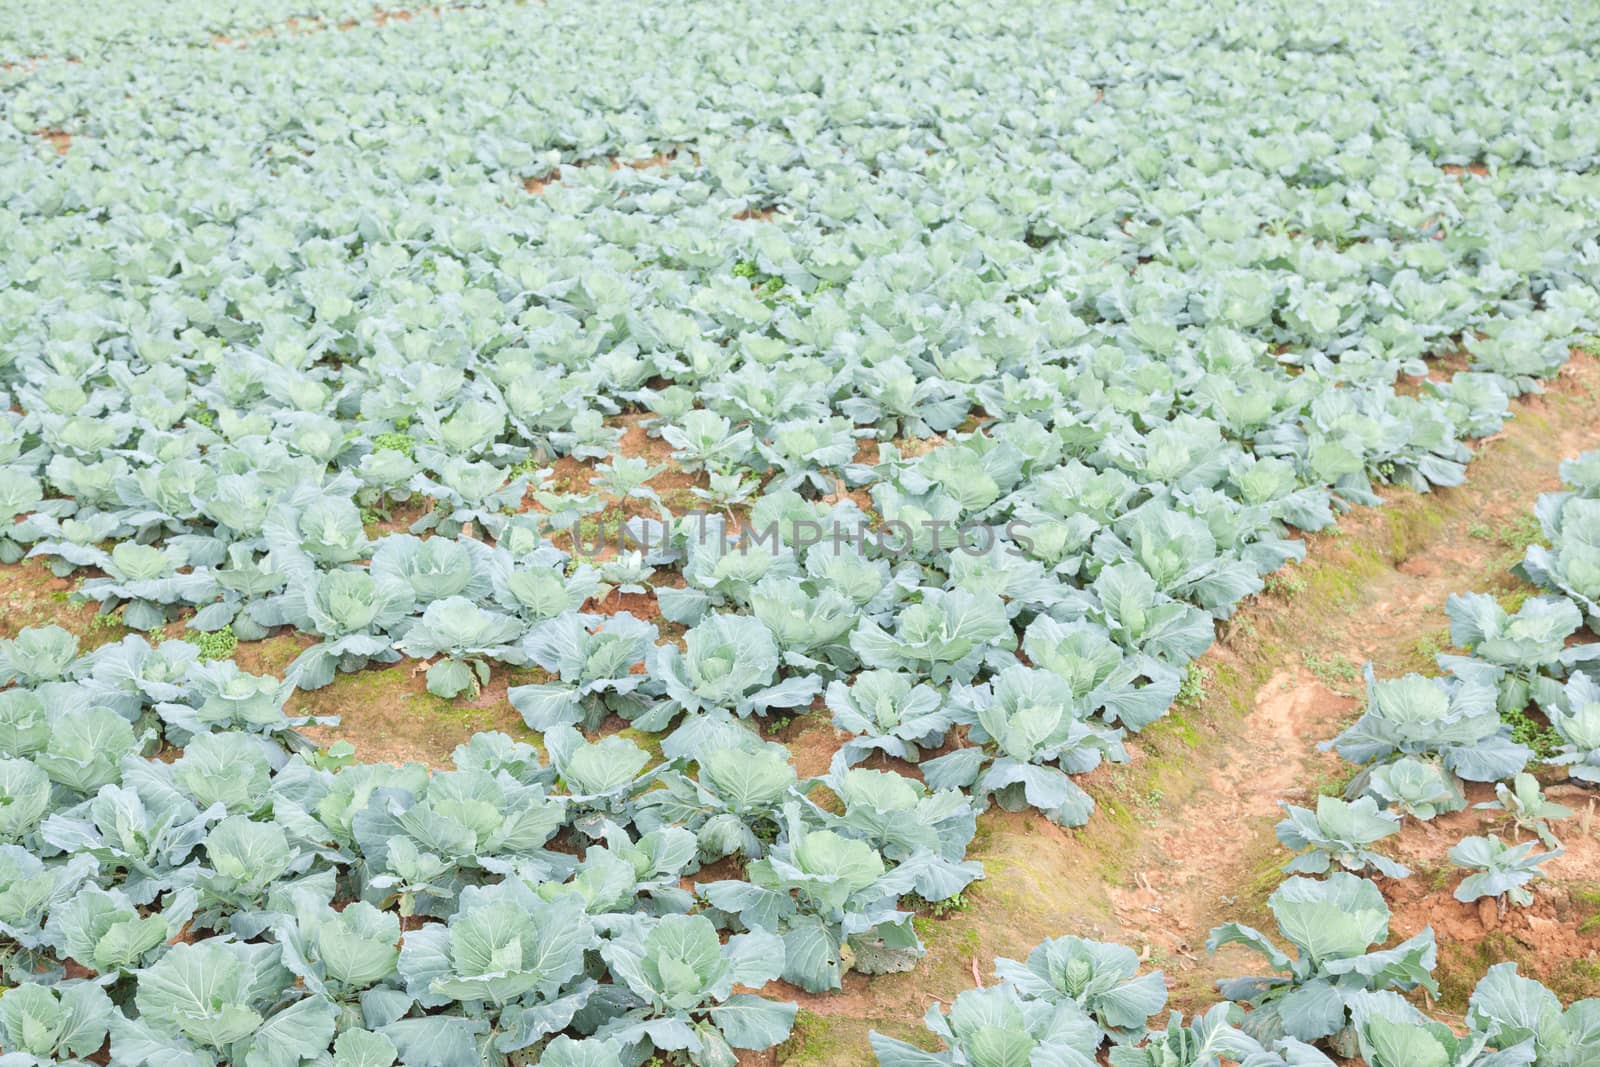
[1555, 939]
[60, 140]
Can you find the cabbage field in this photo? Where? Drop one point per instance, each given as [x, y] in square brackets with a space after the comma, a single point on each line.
[917, 533]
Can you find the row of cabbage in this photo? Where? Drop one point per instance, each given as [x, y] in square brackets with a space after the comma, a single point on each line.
[34, 30]
[1071, 995]
[244, 902]
[1422, 737]
[1420, 740]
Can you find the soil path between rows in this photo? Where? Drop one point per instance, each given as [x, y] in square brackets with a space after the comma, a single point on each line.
[1214, 856]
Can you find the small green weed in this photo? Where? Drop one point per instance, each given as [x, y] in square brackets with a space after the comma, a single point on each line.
[766, 286]
[395, 442]
[1286, 584]
[218, 644]
[1429, 646]
[1537, 735]
[1193, 688]
[1520, 533]
[1589, 896]
[1336, 671]
[943, 909]
[104, 622]
[1150, 807]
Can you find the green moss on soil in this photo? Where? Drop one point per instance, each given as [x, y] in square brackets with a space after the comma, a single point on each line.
[816, 1040]
[827, 1041]
[1461, 965]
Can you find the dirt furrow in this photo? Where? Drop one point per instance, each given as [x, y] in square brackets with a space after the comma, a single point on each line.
[1375, 592]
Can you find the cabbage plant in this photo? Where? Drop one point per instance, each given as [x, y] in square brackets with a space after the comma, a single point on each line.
[996, 1025]
[1574, 715]
[144, 834]
[681, 977]
[1571, 564]
[31, 892]
[1208, 1040]
[1144, 619]
[1529, 648]
[539, 584]
[104, 932]
[25, 790]
[37, 654]
[537, 947]
[1499, 870]
[1128, 690]
[1391, 1033]
[1034, 724]
[86, 749]
[1337, 833]
[1521, 1016]
[1333, 926]
[215, 999]
[729, 662]
[221, 696]
[627, 877]
[603, 779]
[924, 832]
[468, 494]
[351, 611]
[465, 638]
[1101, 978]
[946, 636]
[1524, 804]
[129, 675]
[341, 954]
[1454, 720]
[888, 712]
[428, 839]
[1419, 788]
[733, 804]
[833, 900]
[436, 568]
[596, 660]
[41, 1025]
[147, 583]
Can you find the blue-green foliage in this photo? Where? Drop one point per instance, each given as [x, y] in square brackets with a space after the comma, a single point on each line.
[536, 900]
[1018, 349]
